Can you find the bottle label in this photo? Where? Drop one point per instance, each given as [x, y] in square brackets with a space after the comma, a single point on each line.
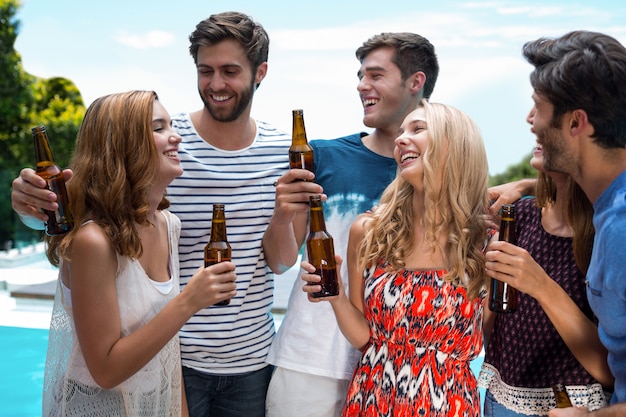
[58, 188]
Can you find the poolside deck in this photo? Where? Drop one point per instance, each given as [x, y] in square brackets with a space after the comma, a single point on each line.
[28, 284]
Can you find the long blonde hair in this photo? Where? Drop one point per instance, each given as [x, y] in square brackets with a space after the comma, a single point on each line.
[113, 166]
[455, 183]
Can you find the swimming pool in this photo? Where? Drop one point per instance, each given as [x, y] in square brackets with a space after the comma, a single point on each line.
[22, 361]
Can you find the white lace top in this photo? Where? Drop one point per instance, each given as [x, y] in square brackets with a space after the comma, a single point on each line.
[155, 390]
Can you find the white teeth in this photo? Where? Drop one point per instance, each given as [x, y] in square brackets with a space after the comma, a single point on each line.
[171, 153]
[410, 155]
[221, 98]
[369, 102]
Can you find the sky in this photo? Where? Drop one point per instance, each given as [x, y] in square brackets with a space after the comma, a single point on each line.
[119, 45]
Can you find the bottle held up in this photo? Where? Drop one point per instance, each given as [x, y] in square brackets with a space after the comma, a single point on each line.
[504, 298]
[218, 249]
[321, 251]
[300, 152]
[61, 220]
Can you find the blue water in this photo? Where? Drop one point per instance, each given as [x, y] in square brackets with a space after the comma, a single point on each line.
[22, 361]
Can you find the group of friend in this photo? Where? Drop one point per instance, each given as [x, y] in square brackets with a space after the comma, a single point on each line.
[408, 206]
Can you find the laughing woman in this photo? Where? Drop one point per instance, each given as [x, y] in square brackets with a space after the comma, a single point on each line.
[416, 271]
[113, 347]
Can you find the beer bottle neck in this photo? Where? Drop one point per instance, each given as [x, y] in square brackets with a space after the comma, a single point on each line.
[316, 221]
[43, 153]
[298, 136]
[218, 226]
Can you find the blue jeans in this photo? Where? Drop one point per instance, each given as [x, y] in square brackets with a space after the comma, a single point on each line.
[495, 409]
[240, 395]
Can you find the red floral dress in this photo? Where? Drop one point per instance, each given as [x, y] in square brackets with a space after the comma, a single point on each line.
[424, 333]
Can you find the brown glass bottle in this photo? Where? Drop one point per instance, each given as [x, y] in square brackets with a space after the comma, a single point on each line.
[218, 249]
[560, 393]
[321, 250]
[61, 220]
[300, 152]
[504, 297]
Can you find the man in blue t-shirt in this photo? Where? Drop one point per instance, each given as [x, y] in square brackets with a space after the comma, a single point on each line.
[314, 362]
[579, 118]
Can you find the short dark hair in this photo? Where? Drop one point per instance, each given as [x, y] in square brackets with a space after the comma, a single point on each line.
[232, 25]
[413, 53]
[583, 70]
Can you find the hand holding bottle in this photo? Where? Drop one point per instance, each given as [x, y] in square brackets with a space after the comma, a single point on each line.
[211, 285]
[313, 282]
[30, 195]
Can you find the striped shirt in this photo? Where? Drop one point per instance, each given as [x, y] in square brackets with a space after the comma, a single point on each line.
[232, 339]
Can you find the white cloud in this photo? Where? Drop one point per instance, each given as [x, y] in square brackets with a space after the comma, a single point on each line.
[148, 40]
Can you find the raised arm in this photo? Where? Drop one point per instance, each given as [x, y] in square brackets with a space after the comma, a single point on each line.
[288, 226]
[29, 195]
[515, 266]
[348, 310]
[110, 356]
[509, 193]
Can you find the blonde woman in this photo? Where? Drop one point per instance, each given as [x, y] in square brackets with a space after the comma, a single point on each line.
[416, 271]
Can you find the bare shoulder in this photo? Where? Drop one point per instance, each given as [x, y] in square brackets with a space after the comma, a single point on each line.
[357, 230]
[90, 239]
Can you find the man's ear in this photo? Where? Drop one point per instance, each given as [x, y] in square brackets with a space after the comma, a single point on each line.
[261, 72]
[417, 81]
[578, 121]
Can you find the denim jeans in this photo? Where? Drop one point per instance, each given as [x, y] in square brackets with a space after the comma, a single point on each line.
[495, 409]
[240, 395]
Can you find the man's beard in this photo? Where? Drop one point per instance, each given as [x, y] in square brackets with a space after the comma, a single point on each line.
[555, 155]
[244, 99]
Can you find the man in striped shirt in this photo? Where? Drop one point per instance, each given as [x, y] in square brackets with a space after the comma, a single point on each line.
[232, 159]
[229, 158]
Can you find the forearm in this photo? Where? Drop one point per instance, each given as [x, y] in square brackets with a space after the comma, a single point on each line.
[281, 244]
[352, 322]
[132, 352]
[617, 410]
[578, 332]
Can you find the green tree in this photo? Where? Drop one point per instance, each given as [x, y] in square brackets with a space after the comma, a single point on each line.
[515, 172]
[26, 101]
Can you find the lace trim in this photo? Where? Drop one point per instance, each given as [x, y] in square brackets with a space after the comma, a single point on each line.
[538, 400]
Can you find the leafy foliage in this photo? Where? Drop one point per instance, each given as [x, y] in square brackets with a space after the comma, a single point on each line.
[515, 172]
[27, 101]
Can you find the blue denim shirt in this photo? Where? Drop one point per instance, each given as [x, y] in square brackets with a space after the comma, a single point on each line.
[606, 279]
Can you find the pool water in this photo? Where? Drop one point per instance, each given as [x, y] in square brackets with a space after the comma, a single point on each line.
[22, 362]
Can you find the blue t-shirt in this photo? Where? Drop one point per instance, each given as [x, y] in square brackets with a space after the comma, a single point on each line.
[606, 279]
[353, 178]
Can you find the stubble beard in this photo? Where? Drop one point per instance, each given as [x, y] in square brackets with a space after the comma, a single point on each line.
[556, 157]
[243, 101]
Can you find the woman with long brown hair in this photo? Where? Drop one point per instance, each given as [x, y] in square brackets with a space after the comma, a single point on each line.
[113, 345]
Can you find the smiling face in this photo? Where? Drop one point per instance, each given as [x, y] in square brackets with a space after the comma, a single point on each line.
[411, 145]
[166, 141]
[385, 96]
[556, 154]
[225, 80]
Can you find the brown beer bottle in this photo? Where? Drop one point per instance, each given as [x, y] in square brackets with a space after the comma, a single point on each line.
[61, 220]
[562, 399]
[320, 249]
[218, 249]
[504, 297]
[300, 152]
